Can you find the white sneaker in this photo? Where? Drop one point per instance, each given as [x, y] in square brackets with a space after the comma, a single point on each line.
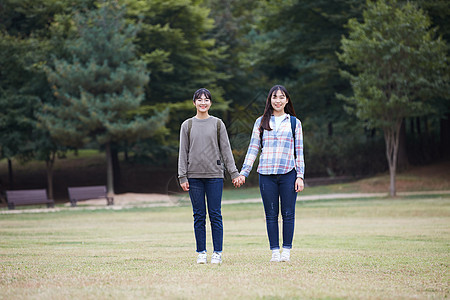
[275, 256]
[201, 258]
[216, 258]
[285, 255]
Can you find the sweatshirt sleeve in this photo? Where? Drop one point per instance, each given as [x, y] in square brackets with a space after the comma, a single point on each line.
[183, 153]
[226, 152]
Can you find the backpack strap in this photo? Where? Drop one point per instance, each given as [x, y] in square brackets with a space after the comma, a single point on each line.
[218, 135]
[293, 124]
[189, 130]
[220, 151]
[261, 132]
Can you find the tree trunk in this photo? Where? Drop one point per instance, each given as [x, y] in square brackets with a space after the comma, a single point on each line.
[50, 163]
[403, 162]
[420, 150]
[116, 166]
[391, 137]
[10, 174]
[418, 126]
[109, 171]
[125, 155]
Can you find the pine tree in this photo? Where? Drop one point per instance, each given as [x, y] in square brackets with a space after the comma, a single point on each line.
[100, 85]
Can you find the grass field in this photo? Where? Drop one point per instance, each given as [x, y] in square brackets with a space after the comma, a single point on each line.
[343, 249]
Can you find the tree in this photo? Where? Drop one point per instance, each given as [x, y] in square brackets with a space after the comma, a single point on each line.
[173, 43]
[295, 45]
[234, 22]
[398, 69]
[17, 102]
[181, 57]
[100, 85]
[299, 50]
[25, 46]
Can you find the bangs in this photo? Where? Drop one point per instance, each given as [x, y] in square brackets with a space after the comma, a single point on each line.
[275, 91]
[202, 92]
[277, 88]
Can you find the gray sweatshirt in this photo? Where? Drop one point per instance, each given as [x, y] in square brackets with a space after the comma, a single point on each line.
[199, 157]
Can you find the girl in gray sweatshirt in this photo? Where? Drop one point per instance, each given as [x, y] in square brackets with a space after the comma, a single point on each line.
[204, 151]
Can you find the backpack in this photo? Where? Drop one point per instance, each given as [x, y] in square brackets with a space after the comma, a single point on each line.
[293, 123]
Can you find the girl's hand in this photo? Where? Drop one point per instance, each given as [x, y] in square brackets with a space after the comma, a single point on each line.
[238, 181]
[299, 185]
[185, 186]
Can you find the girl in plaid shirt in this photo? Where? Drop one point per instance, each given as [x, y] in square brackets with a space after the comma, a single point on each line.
[281, 167]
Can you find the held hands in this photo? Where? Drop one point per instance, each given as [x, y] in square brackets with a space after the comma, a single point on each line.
[299, 185]
[239, 181]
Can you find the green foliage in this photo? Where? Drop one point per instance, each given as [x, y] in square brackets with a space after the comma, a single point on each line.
[16, 125]
[297, 48]
[439, 12]
[19, 90]
[34, 17]
[172, 42]
[356, 154]
[294, 43]
[234, 23]
[25, 48]
[181, 58]
[237, 49]
[399, 68]
[99, 84]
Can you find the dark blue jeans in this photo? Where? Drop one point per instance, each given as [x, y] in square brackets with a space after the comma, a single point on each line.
[212, 188]
[275, 189]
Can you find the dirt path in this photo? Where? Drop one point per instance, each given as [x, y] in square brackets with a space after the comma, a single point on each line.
[133, 200]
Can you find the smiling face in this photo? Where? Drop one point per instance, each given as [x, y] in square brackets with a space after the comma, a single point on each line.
[202, 103]
[278, 101]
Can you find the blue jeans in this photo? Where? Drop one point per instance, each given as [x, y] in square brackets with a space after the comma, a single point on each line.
[275, 189]
[212, 188]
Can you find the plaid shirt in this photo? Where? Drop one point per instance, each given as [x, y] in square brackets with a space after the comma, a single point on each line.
[277, 155]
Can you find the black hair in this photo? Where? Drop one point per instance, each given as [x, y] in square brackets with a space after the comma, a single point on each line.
[198, 93]
[268, 111]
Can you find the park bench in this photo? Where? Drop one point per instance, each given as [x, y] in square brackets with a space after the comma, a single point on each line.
[88, 192]
[28, 197]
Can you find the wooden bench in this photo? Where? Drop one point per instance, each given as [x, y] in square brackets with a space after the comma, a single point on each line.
[28, 197]
[88, 192]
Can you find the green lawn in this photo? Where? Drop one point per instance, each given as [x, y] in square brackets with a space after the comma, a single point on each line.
[358, 249]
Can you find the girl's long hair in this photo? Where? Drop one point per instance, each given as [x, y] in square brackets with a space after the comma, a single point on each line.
[268, 111]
